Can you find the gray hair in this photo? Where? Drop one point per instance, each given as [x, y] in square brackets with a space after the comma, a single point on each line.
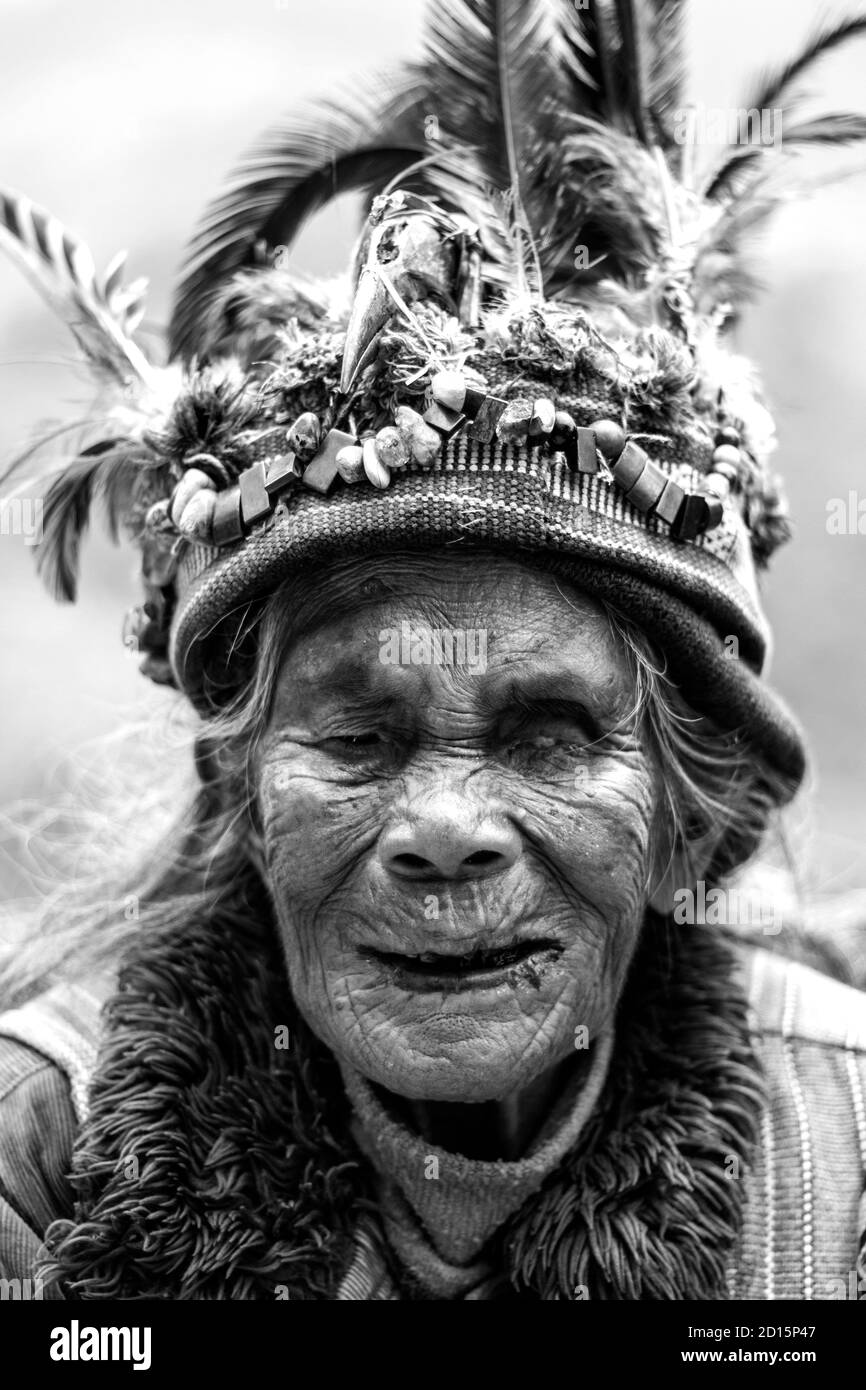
[714, 788]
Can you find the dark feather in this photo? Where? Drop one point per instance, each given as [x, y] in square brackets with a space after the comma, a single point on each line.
[633, 66]
[577, 55]
[836, 128]
[775, 87]
[105, 468]
[492, 65]
[607, 199]
[313, 155]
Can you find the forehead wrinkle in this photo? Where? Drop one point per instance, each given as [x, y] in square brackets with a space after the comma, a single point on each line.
[557, 641]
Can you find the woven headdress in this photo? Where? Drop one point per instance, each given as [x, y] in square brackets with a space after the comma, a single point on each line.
[530, 356]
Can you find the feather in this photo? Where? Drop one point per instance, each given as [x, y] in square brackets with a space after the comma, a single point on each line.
[632, 19]
[102, 317]
[665, 67]
[719, 274]
[776, 85]
[251, 315]
[577, 57]
[607, 199]
[107, 469]
[314, 154]
[837, 128]
[493, 64]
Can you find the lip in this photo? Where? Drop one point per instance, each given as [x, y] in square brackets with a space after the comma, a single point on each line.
[520, 963]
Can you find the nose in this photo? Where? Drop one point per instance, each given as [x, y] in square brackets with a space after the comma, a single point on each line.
[446, 840]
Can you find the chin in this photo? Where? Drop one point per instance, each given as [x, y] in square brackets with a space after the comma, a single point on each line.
[469, 1046]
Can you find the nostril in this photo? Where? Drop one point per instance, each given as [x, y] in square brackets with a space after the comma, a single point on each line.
[482, 858]
[431, 848]
[411, 863]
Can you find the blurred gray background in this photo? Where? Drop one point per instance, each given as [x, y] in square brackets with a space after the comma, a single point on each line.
[123, 120]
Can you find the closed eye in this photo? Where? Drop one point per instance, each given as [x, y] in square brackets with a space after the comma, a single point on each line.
[354, 743]
[547, 723]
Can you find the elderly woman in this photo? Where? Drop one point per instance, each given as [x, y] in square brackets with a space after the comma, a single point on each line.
[431, 991]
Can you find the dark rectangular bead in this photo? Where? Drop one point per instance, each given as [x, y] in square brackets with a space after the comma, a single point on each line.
[629, 465]
[280, 474]
[473, 401]
[648, 488]
[715, 512]
[587, 460]
[446, 421]
[227, 524]
[670, 502]
[483, 427]
[255, 502]
[321, 471]
[691, 518]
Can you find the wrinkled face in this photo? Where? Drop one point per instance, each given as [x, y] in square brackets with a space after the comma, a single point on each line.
[458, 822]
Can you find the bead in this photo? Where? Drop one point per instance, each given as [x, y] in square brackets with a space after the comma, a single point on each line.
[564, 427]
[629, 465]
[717, 484]
[715, 512]
[648, 489]
[446, 421]
[489, 414]
[213, 468]
[192, 482]
[668, 505]
[726, 470]
[392, 448]
[423, 441]
[321, 473]
[726, 453]
[196, 522]
[449, 389]
[375, 470]
[473, 401]
[255, 502]
[513, 426]
[227, 524]
[282, 473]
[305, 436]
[587, 458]
[691, 518]
[609, 438]
[543, 416]
[350, 463]
[728, 435]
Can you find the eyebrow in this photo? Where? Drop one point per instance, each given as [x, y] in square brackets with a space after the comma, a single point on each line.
[565, 687]
[554, 691]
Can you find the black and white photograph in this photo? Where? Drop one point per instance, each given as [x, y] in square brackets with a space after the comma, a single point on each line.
[432, 558]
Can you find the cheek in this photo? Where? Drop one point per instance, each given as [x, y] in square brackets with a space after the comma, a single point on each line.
[596, 824]
[314, 829]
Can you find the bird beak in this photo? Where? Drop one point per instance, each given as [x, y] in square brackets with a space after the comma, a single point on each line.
[371, 309]
[409, 256]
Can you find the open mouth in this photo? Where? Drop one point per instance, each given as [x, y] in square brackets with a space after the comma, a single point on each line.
[523, 962]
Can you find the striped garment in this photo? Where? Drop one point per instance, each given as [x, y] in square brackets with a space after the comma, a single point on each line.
[805, 1209]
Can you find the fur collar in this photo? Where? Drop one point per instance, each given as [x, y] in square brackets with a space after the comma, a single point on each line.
[217, 1165]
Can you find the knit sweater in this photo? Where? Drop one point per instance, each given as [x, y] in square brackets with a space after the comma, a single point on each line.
[804, 1207]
